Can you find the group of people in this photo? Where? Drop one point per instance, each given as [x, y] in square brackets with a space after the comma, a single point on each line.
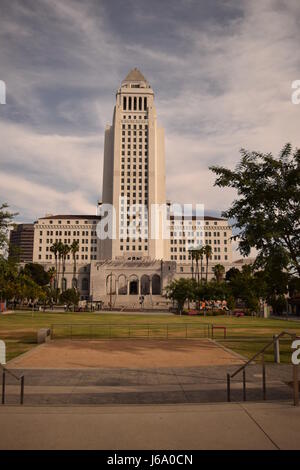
[213, 305]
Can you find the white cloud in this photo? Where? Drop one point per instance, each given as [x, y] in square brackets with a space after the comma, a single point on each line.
[219, 87]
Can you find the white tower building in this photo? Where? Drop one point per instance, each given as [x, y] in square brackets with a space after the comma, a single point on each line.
[134, 169]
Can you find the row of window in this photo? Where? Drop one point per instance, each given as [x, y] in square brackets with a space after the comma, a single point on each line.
[135, 126]
[68, 233]
[74, 283]
[195, 233]
[184, 249]
[134, 153]
[135, 132]
[133, 117]
[185, 257]
[134, 103]
[135, 140]
[77, 222]
[69, 241]
[132, 248]
[196, 240]
[83, 248]
[82, 257]
[184, 223]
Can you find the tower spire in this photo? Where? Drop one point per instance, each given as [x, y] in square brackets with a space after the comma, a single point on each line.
[135, 75]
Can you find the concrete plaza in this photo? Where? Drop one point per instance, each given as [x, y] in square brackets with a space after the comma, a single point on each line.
[268, 426]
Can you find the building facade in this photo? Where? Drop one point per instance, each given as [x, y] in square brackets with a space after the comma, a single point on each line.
[67, 229]
[21, 243]
[129, 262]
[134, 170]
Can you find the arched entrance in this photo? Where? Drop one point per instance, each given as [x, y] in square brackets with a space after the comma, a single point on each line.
[133, 285]
[145, 285]
[122, 285]
[111, 284]
[156, 284]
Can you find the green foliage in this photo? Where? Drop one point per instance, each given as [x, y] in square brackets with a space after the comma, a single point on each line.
[267, 211]
[37, 273]
[6, 219]
[70, 297]
[294, 286]
[219, 272]
[181, 290]
[245, 286]
[231, 273]
[278, 304]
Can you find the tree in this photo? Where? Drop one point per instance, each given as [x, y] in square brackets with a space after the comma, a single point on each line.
[60, 249]
[267, 211]
[37, 273]
[219, 272]
[52, 274]
[246, 287]
[74, 248]
[181, 290]
[8, 276]
[273, 281]
[231, 273]
[55, 249]
[207, 252]
[196, 254]
[64, 252]
[6, 218]
[70, 297]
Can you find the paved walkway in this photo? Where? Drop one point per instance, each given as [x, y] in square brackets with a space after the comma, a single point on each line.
[131, 353]
[96, 386]
[226, 426]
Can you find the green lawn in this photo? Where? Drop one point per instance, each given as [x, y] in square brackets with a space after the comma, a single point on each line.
[245, 335]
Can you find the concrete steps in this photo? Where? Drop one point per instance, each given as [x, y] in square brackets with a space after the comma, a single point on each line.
[145, 386]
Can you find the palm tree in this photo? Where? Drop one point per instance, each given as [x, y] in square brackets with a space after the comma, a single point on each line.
[207, 252]
[65, 250]
[54, 249]
[60, 248]
[52, 275]
[201, 253]
[219, 272]
[192, 255]
[74, 249]
[197, 256]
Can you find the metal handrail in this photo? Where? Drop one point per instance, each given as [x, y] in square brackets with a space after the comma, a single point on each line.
[261, 352]
[19, 378]
[131, 326]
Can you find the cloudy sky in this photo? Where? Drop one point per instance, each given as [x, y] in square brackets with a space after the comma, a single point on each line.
[221, 70]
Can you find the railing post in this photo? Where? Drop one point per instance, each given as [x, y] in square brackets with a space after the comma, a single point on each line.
[295, 385]
[244, 384]
[3, 387]
[228, 387]
[264, 377]
[276, 350]
[22, 390]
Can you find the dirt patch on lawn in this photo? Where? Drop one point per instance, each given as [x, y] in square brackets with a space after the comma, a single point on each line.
[65, 354]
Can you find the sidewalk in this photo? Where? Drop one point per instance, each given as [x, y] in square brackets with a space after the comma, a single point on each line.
[220, 426]
[141, 386]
